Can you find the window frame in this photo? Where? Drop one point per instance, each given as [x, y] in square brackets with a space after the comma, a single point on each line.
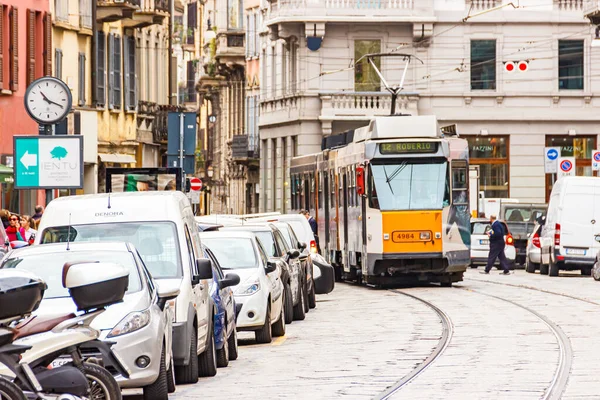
[569, 57]
[365, 66]
[474, 65]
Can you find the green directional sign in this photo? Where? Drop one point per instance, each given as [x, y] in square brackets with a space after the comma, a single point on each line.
[48, 162]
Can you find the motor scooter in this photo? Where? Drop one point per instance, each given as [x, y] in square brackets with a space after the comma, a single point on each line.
[29, 349]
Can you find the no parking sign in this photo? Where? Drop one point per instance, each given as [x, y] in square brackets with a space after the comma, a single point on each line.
[596, 160]
[566, 166]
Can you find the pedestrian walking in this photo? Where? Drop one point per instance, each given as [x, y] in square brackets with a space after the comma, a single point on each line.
[313, 226]
[15, 231]
[27, 223]
[497, 245]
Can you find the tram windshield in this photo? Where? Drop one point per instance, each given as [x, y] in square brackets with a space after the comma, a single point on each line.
[407, 185]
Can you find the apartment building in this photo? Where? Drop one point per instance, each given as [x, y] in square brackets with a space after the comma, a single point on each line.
[468, 56]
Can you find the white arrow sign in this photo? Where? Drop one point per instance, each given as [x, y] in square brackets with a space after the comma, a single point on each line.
[29, 160]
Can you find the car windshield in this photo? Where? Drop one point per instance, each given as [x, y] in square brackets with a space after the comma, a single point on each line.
[479, 228]
[49, 266]
[268, 241]
[155, 241]
[523, 214]
[232, 254]
[406, 186]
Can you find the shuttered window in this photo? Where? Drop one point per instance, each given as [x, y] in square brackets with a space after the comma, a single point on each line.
[100, 75]
[129, 68]
[81, 79]
[48, 44]
[58, 57]
[31, 59]
[114, 71]
[14, 49]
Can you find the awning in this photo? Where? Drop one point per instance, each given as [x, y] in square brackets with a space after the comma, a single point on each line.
[117, 158]
[6, 174]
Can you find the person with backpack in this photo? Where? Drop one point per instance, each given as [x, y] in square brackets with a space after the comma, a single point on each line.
[497, 245]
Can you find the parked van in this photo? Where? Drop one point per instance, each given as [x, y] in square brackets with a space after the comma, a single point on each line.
[161, 226]
[570, 237]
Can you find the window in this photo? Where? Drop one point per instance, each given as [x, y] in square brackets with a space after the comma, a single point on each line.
[191, 82]
[255, 37]
[81, 79]
[100, 80]
[491, 154]
[85, 13]
[284, 72]
[114, 71]
[263, 78]
[58, 56]
[192, 22]
[460, 183]
[365, 77]
[130, 73]
[483, 65]
[273, 71]
[190, 251]
[235, 14]
[4, 39]
[14, 49]
[293, 66]
[570, 64]
[39, 55]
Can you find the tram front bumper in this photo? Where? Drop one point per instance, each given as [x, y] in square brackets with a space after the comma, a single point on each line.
[411, 263]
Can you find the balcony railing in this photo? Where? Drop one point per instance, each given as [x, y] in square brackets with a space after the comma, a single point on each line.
[154, 5]
[569, 5]
[62, 10]
[350, 8]
[243, 148]
[349, 105]
[85, 13]
[485, 4]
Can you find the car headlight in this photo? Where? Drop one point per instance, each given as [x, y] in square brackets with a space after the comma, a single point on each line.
[248, 288]
[131, 323]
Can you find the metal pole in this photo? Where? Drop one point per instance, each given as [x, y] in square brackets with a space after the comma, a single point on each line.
[394, 96]
[48, 132]
[181, 151]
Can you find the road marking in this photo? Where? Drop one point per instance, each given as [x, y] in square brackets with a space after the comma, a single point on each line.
[279, 341]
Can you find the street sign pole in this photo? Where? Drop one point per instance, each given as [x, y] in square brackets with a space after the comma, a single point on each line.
[48, 132]
[181, 135]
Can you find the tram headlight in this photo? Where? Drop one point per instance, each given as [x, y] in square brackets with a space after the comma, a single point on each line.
[425, 236]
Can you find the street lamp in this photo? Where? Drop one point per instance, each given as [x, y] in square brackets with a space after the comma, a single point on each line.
[210, 172]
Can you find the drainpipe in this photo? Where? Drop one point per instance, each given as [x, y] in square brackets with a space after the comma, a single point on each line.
[170, 65]
[93, 53]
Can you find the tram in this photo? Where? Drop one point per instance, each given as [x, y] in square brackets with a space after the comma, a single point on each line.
[391, 200]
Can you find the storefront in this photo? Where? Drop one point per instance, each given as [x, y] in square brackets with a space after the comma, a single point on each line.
[580, 147]
[491, 153]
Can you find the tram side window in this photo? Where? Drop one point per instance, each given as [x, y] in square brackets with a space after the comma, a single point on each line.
[460, 183]
[332, 190]
[373, 200]
[312, 191]
[321, 204]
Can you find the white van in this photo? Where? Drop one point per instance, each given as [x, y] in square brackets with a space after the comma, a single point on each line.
[570, 237]
[161, 226]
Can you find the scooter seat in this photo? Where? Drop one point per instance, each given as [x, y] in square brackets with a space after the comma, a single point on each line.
[39, 324]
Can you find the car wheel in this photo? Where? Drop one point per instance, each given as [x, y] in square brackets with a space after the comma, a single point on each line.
[189, 373]
[543, 269]
[232, 342]
[278, 328]
[264, 335]
[299, 308]
[531, 267]
[102, 384]
[207, 361]
[171, 377]
[312, 297]
[553, 271]
[159, 389]
[223, 356]
[586, 271]
[596, 272]
[305, 297]
[288, 304]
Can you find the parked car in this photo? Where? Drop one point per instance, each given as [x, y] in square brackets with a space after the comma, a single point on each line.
[140, 327]
[480, 243]
[570, 237]
[224, 320]
[534, 247]
[293, 276]
[4, 244]
[596, 268]
[521, 219]
[161, 226]
[260, 296]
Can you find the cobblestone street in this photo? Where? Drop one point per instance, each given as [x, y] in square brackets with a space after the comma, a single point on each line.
[504, 342]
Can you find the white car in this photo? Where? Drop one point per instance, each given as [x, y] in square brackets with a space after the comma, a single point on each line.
[260, 296]
[480, 243]
[534, 250]
[140, 327]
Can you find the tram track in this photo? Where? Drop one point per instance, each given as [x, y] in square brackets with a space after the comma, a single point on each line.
[444, 341]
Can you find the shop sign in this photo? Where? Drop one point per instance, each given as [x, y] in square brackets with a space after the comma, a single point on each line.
[551, 155]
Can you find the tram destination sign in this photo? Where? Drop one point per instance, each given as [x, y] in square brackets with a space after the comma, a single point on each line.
[408, 147]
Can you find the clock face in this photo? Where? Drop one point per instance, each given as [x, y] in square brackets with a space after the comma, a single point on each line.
[48, 100]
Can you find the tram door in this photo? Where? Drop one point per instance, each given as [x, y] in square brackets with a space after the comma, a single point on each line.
[344, 249]
[327, 190]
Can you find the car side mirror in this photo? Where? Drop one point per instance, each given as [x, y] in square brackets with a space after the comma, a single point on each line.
[166, 293]
[293, 254]
[271, 267]
[204, 267]
[302, 246]
[229, 280]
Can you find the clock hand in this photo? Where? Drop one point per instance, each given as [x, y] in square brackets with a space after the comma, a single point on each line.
[50, 101]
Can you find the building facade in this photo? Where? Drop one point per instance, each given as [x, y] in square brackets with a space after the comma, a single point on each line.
[314, 82]
[25, 55]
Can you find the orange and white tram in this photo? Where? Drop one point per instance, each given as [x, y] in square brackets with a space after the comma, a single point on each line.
[391, 201]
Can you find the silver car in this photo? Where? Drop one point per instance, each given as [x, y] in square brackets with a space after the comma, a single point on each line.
[140, 327]
[534, 250]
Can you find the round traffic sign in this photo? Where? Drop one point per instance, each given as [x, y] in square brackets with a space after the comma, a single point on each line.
[566, 165]
[195, 184]
[552, 154]
[597, 156]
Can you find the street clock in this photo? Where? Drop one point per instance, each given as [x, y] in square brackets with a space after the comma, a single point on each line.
[48, 100]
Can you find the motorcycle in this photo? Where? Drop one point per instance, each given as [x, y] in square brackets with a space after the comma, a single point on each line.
[29, 348]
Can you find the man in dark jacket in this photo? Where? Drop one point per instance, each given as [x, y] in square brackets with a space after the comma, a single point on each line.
[497, 244]
[314, 227]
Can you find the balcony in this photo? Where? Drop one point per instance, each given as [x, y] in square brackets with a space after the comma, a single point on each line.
[591, 10]
[351, 11]
[354, 106]
[230, 48]
[244, 149]
[151, 12]
[481, 5]
[160, 114]
[116, 10]
[569, 5]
